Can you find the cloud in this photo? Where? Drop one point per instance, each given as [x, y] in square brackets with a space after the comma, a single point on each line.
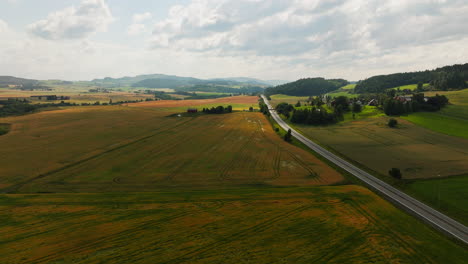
[137, 18]
[310, 32]
[139, 24]
[89, 17]
[3, 26]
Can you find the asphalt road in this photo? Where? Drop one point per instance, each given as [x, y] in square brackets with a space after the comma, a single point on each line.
[413, 206]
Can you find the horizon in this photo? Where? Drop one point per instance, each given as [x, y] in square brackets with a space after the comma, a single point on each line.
[275, 40]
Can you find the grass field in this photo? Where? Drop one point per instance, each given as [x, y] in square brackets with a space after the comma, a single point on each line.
[409, 87]
[448, 194]
[348, 87]
[418, 152]
[140, 149]
[342, 224]
[451, 120]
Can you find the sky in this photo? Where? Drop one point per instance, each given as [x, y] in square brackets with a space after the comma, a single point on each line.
[277, 39]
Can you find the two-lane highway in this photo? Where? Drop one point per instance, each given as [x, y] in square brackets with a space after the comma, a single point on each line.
[415, 207]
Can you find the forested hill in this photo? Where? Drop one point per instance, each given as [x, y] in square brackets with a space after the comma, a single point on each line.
[10, 80]
[307, 87]
[453, 77]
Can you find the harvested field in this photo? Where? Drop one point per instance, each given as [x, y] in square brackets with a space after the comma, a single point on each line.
[118, 148]
[343, 224]
[237, 102]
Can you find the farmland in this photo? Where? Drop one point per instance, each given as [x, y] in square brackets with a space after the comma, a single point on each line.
[342, 224]
[148, 148]
[139, 183]
[418, 152]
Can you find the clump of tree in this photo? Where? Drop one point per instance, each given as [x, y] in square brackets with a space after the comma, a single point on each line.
[418, 102]
[218, 110]
[263, 107]
[395, 173]
[314, 116]
[284, 109]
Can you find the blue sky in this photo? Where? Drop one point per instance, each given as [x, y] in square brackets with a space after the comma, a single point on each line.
[277, 39]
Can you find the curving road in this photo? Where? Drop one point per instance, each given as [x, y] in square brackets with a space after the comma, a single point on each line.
[415, 207]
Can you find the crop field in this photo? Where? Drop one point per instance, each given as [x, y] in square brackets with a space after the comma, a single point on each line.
[237, 102]
[451, 120]
[418, 152]
[75, 96]
[119, 148]
[138, 183]
[448, 194]
[341, 224]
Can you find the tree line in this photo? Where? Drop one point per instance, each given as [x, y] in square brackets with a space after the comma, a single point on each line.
[218, 110]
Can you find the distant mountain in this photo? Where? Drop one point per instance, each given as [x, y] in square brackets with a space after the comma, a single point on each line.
[130, 81]
[307, 87]
[10, 80]
[172, 81]
[448, 77]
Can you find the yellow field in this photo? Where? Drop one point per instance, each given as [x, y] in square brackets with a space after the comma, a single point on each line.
[344, 224]
[77, 97]
[120, 148]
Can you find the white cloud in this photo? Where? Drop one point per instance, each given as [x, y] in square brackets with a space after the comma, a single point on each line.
[139, 24]
[313, 32]
[3, 26]
[89, 17]
[278, 39]
[138, 18]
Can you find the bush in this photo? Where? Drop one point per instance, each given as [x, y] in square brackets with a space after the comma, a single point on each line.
[395, 173]
[392, 122]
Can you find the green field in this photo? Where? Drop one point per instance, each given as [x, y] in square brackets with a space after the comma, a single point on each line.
[343, 224]
[451, 120]
[418, 152]
[448, 194]
[411, 87]
[343, 93]
[348, 87]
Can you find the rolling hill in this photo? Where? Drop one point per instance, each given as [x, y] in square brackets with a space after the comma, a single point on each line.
[307, 87]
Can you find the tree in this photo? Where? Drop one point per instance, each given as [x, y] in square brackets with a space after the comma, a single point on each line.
[420, 87]
[395, 173]
[251, 109]
[298, 104]
[343, 102]
[288, 136]
[229, 109]
[392, 122]
[357, 108]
